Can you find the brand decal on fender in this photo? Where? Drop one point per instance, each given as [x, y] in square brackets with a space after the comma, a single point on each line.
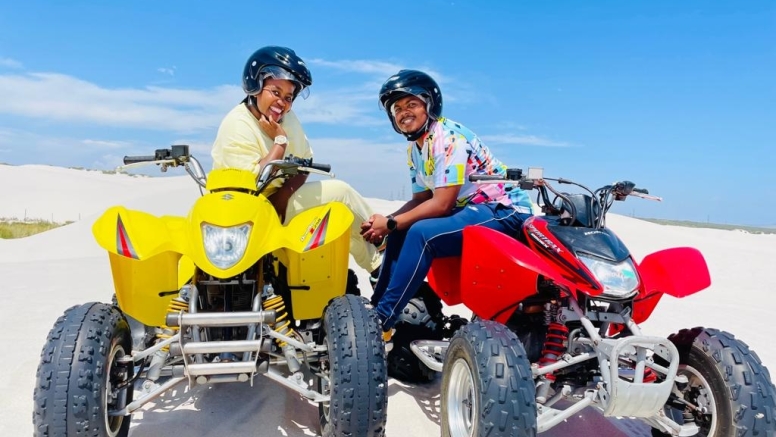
[542, 239]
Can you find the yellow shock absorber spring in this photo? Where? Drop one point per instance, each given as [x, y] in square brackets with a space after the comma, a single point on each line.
[282, 323]
[176, 305]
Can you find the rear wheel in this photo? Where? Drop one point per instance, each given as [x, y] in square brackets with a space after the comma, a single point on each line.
[421, 319]
[80, 382]
[487, 387]
[730, 390]
[357, 379]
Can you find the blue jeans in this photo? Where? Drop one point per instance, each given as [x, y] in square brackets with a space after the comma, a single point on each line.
[409, 253]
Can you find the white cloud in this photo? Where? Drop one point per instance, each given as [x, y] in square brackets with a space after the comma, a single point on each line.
[168, 71]
[339, 107]
[65, 98]
[379, 68]
[25, 147]
[374, 168]
[511, 125]
[527, 140]
[107, 144]
[10, 63]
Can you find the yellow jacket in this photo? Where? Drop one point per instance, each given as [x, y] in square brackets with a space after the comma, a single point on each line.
[240, 142]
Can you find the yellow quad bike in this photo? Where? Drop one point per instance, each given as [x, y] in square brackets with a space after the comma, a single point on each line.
[221, 295]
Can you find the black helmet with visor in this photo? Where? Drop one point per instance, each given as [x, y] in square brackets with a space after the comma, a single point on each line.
[274, 62]
[412, 83]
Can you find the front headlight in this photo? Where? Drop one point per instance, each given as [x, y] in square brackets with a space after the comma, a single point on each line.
[224, 247]
[619, 280]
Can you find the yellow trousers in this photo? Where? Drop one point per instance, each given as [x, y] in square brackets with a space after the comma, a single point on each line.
[316, 193]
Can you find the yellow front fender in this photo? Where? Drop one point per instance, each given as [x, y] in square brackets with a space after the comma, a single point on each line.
[145, 259]
[317, 246]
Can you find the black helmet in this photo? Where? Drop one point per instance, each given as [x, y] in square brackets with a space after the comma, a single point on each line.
[415, 83]
[277, 63]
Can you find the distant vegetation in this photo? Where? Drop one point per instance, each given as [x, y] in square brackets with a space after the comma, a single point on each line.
[20, 229]
[689, 224]
[114, 171]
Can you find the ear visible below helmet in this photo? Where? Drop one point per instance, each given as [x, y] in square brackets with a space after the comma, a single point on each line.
[277, 63]
[415, 83]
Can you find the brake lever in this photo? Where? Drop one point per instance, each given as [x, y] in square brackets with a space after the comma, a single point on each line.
[164, 163]
[645, 196]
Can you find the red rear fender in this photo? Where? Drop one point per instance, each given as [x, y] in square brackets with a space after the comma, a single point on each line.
[498, 272]
[445, 279]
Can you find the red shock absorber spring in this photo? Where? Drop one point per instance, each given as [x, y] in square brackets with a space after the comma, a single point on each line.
[554, 345]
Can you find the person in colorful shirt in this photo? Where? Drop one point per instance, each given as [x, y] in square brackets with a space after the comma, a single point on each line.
[442, 154]
[263, 128]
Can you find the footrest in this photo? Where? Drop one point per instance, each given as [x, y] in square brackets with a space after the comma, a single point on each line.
[430, 352]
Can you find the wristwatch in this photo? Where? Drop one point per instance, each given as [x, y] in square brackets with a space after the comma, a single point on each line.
[391, 223]
[281, 140]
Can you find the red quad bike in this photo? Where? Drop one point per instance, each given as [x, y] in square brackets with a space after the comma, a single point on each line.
[555, 329]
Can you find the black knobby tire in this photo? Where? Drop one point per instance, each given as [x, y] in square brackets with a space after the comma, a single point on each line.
[77, 361]
[487, 387]
[421, 319]
[744, 398]
[357, 373]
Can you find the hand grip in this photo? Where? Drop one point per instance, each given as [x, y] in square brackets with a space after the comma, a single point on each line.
[485, 177]
[321, 167]
[135, 159]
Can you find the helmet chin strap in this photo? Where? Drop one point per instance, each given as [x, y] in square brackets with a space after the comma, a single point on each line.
[413, 136]
[251, 101]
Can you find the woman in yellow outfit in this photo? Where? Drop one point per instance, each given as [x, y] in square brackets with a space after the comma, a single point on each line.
[263, 128]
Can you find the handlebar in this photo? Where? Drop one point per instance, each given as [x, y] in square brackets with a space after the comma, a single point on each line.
[602, 198]
[486, 177]
[321, 167]
[178, 155]
[128, 160]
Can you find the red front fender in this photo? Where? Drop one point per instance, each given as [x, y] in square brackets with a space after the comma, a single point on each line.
[678, 272]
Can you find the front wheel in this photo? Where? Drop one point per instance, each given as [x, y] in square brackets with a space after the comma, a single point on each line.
[80, 381]
[357, 379]
[729, 390]
[487, 387]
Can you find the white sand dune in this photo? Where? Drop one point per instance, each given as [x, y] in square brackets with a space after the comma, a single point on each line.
[47, 273]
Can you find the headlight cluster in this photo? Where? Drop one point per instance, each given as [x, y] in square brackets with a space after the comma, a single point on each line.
[619, 280]
[224, 247]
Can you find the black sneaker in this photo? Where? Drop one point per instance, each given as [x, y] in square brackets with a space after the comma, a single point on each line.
[352, 285]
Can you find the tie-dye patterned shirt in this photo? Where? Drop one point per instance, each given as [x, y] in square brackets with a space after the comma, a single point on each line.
[451, 153]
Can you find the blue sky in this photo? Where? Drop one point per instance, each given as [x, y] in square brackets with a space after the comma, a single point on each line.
[679, 97]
